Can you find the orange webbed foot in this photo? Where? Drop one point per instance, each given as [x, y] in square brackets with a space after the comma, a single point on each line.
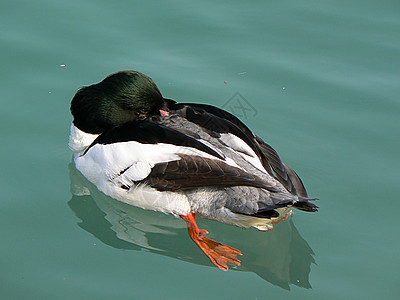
[218, 253]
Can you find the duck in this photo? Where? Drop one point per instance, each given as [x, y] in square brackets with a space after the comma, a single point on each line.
[184, 159]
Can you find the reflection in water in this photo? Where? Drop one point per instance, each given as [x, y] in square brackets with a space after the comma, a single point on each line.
[281, 257]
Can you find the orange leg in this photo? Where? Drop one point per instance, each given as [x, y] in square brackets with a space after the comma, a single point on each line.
[219, 254]
[284, 218]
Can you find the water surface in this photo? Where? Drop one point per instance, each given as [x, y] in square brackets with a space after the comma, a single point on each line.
[317, 80]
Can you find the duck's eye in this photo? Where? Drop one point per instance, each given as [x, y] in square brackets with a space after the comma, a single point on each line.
[142, 111]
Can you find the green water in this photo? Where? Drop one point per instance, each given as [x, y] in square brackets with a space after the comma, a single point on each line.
[318, 80]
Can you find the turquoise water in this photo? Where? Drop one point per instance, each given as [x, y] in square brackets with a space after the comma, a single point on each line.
[317, 80]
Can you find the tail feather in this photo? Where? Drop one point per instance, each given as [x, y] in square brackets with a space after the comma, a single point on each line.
[304, 204]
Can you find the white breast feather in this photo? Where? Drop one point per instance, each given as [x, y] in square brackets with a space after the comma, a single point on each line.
[102, 165]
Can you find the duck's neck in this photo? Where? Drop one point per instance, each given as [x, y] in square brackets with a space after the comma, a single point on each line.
[80, 140]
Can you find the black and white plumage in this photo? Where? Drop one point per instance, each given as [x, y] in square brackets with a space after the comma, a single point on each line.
[184, 159]
[191, 158]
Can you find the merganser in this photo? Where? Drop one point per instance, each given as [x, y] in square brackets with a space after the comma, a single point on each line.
[184, 159]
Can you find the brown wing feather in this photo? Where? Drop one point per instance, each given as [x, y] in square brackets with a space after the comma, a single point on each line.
[195, 171]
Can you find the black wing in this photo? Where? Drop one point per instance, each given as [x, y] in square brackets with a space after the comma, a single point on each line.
[286, 175]
[214, 124]
[147, 132]
[218, 120]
